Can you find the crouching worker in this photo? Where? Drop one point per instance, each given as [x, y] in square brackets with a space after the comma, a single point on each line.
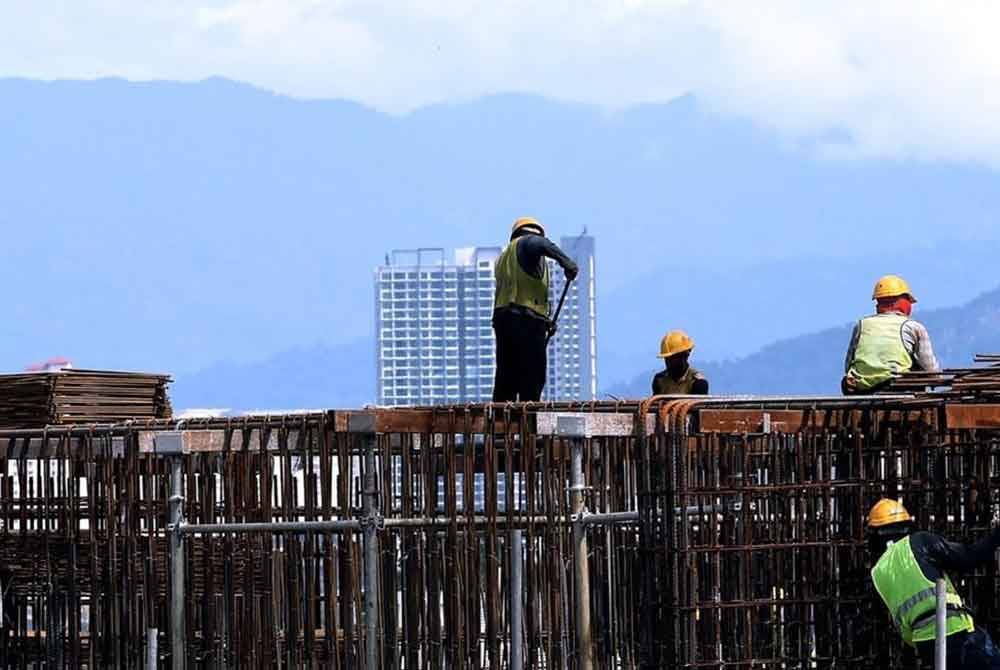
[679, 378]
[909, 563]
[888, 342]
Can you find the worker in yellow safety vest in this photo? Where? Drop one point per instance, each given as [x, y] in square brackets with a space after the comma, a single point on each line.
[908, 563]
[521, 320]
[888, 342]
[678, 377]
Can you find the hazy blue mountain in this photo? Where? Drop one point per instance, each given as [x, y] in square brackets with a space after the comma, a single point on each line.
[306, 378]
[170, 226]
[814, 363]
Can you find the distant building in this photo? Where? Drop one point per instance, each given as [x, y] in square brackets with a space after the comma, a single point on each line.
[434, 338]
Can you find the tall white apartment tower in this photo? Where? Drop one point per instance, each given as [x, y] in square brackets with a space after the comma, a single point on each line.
[434, 338]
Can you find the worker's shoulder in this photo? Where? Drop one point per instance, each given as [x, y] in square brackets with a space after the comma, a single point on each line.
[923, 538]
[914, 325]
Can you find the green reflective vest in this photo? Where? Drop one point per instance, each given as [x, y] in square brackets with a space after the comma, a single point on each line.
[880, 352]
[909, 595]
[517, 287]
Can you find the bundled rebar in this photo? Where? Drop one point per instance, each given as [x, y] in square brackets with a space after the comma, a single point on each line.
[36, 399]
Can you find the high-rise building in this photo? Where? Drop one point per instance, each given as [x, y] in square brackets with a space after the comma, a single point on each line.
[434, 338]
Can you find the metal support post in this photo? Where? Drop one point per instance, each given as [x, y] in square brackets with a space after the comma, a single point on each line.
[581, 570]
[370, 524]
[941, 618]
[176, 566]
[151, 650]
[516, 601]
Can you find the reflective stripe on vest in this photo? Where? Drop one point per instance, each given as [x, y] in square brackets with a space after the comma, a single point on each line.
[517, 287]
[880, 352]
[910, 596]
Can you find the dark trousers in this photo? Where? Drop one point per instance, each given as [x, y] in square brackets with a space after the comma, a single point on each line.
[966, 651]
[521, 356]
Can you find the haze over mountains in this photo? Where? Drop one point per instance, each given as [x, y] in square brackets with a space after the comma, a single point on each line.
[216, 227]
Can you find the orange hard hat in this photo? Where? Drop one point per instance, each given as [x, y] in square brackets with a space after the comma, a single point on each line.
[675, 342]
[886, 512]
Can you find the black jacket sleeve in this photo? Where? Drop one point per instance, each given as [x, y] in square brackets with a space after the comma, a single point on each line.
[531, 251]
[957, 556]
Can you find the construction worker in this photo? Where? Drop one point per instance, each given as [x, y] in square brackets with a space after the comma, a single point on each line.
[888, 342]
[678, 377]
[521, 311]
[908, 566]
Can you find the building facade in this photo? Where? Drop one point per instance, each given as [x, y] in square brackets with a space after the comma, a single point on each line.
[434, 339]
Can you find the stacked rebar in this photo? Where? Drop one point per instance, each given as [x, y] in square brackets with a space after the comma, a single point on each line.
[36, 399]
[964, 380]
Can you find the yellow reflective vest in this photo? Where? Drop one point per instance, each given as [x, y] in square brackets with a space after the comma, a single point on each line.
[514, 286]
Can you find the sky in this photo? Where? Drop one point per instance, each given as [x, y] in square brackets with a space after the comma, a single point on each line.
[897, 79]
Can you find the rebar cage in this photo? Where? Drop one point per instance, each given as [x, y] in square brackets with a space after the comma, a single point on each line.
[718, 533]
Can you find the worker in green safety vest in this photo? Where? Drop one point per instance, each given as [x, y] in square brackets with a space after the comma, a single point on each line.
[521, 320]
[909, 564]
[887, 343]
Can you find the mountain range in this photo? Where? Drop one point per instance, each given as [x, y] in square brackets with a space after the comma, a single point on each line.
[218, 231]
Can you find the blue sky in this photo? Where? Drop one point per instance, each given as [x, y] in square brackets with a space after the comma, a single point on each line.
[896, 78]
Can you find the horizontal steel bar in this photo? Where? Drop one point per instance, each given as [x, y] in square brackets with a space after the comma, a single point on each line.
[416, 523]
[271, 527]
[610, 517]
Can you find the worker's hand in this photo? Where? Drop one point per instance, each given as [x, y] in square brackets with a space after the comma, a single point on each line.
[572, 272]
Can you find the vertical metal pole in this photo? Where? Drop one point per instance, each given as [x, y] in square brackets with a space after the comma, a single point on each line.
[370, 525]
[941, 617]
[516, 601]
[176, 566]
[581, 571]
[151, 650]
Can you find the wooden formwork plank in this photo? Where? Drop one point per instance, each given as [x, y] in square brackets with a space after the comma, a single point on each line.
[967, 416]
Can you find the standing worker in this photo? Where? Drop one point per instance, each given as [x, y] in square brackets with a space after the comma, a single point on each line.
[678, 377]
[908, 566]
[888, 342]
[521, 311]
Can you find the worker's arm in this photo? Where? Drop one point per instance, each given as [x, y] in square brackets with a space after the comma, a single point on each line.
[532, 251]
[918, 340]
[852, 347]
[961, 557]
[700, 386]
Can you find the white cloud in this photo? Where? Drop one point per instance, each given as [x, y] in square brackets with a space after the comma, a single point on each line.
[900, 78]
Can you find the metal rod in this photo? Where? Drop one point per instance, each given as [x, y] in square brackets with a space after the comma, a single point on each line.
[562, 299]
[940, 656]
[602, 518]
[151, 650]
[516, 601]
[581, 571]
[371, 568]
[425, 522]
[271, 527]
[177, 642]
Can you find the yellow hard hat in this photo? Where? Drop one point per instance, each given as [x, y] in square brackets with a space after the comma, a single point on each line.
[887, 511]
[891, 286]
[526, 221]
[675, 342]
